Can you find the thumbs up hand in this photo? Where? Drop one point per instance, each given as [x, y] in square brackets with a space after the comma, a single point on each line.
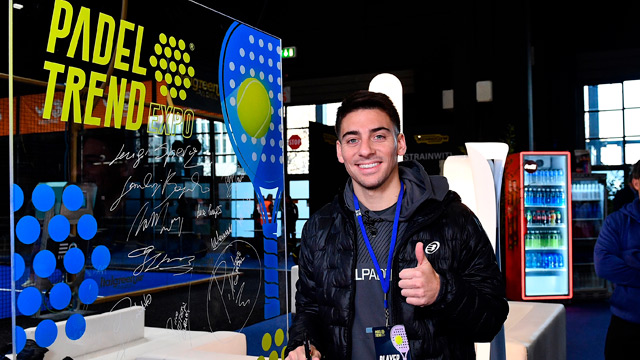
[421, 284]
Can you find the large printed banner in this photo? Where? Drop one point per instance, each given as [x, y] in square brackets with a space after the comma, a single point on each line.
[148, 177]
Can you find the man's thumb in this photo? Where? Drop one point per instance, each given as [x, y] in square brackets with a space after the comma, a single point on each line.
[420, 252]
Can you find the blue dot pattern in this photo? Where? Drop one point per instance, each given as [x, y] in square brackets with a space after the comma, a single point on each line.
[74, 260]
[44, 263]
[88, 291]
[18, 197]
[101, 257]
[87, 227]
[28, 231]
[75, 327]
[46, 333]
[18, 267]
[72, 197]
[59, 228]
[60, 296]
[43, 197]
[20, 337]
[29, 301]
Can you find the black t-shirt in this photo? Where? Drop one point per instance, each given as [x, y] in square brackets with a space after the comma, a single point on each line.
[369, 298]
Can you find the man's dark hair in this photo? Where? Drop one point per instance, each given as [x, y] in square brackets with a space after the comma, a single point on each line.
[635, 171]
[369, 100]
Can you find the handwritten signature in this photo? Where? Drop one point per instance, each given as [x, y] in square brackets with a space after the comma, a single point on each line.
[230, 179]
[180, 320]
[146, 301]
[142, 221]
[236, 291]
[230, 287]
[160, 261]
[166, 187]
[217, 240]
[160, 153]
[211, 211]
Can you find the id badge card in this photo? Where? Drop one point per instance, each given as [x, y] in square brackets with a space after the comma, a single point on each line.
[391, 343]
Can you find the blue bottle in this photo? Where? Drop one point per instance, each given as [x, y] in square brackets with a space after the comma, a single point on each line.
[560, 261]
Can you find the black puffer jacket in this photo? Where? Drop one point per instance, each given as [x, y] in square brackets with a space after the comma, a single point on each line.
[470, 306]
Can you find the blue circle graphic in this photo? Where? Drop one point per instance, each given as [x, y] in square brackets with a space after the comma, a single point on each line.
[59, 228]
[28, 230]
[18, 266]
[46, 333]
[18, 197]
[43, 197]
[87, 227]
[60, 296]
[21, 338]
[101, 257]
[74, 260]
[72, 197]
[29, 301]
[88, 291]
[44, 263]
[75, 327]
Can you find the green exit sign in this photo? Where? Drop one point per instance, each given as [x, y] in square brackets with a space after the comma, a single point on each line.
[289, 52]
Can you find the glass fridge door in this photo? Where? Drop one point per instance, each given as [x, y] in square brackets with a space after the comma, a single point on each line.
[589, 211]
[546, 236]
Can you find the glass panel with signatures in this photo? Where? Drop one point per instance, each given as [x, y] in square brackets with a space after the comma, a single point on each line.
[146, 182]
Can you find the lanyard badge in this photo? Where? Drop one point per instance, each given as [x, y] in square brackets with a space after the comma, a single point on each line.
[391, 343]
[384, 281]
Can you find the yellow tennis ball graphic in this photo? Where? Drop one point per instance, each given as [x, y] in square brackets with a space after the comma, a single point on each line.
[398, 339]
[254, 107]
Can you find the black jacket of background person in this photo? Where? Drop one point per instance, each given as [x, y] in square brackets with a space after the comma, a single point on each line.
[471, 306]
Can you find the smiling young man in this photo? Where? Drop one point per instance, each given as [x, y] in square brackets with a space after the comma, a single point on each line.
[395, 264]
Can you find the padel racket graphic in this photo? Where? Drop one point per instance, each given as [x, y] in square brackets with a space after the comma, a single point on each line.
[250, 80]
[399, 340]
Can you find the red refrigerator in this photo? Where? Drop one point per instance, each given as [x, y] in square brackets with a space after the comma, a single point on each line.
[538, 264]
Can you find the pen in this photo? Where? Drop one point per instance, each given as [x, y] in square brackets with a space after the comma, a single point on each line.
[307, 350]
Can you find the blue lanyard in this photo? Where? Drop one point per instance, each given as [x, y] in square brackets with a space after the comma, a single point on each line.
[384, 282]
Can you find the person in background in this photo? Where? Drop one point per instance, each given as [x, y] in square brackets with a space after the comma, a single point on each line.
[292, 217]
[627, 194]
[617, 259]
[268, 204]
[396, 247]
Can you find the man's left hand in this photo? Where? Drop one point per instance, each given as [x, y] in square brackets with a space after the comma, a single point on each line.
[421, 284]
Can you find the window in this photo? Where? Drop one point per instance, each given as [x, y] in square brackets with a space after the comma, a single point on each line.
[299, 190]
[612, 122]
[298, 118]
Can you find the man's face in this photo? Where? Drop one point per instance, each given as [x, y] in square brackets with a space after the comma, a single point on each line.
[368, 148]
[636, 185]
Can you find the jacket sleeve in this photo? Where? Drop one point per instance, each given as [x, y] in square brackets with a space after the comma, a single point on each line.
[612, 261]
[306, 318]
[472, 298]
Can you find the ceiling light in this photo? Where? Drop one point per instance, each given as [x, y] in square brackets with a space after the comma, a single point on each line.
[17, 6]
